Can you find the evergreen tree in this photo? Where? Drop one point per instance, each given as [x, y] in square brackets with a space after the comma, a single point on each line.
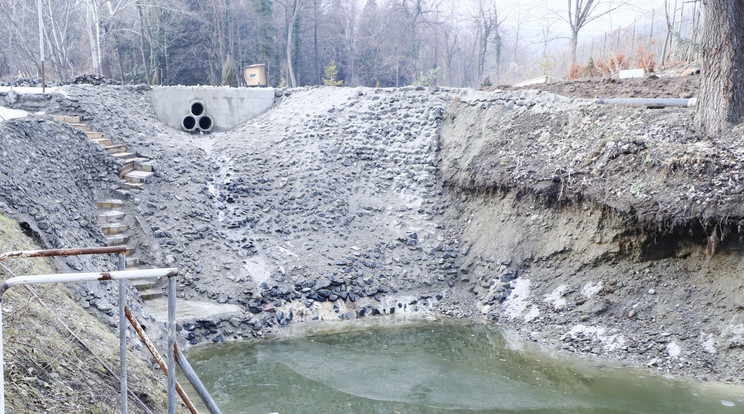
[331, 71]
[228, 72]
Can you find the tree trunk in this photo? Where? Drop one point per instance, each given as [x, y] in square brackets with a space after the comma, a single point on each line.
[290, 43]
[92, 37]
[145, 60]
[315, 43]
[721, 95]
[574, 42]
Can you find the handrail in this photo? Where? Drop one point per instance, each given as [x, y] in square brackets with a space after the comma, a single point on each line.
[159, 359]
[85, 277]
[195, 381]
[63, 252]
[120, 275]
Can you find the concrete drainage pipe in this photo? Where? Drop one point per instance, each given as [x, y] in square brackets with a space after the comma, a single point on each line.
[197, 108]
[205, 123]
[197, 118]
[189, 123]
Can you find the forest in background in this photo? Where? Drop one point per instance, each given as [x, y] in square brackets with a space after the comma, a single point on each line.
[351, 42]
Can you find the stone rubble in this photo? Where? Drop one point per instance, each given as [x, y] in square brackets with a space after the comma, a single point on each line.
[330, 206]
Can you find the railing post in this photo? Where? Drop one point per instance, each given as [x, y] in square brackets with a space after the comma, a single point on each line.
[170, 273]
[196, 383]
[2, 360]
[123, 336]
[171, 344]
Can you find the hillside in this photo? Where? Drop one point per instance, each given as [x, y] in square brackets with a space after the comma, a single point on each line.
[609, 232]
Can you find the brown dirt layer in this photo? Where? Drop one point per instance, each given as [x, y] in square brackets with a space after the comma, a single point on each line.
[648, 87]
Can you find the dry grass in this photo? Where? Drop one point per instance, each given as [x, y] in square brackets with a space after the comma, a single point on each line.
[46, 369]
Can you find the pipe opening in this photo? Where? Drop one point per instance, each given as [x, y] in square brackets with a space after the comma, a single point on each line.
[205, 123]
[189, 123]
[197, 108]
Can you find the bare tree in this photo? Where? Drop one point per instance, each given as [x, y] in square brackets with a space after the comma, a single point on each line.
[293, 8]
[92, 23]
[345, 18]
[58, 36]
[487, 31]
[450, 32]
[582, 12]
[721, 95]
[416, 14]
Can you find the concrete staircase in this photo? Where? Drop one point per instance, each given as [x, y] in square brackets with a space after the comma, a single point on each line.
[134, 172]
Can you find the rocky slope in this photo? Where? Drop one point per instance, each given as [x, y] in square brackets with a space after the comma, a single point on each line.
[595, 230]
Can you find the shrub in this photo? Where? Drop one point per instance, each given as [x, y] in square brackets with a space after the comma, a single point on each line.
[427, 79]
[331, 72]
[575, 71]
[647, 61]
[228, 72]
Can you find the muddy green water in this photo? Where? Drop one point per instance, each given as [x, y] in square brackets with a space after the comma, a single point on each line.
[433, 367]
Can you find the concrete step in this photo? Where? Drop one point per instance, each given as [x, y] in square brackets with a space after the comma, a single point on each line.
[128, 185]
[141, 164]
[84, 127]
[67, 118]
[112, 216]
[122, 194]
[105, 142]
[147, 166]
[117, 240]
[94, 134]
[144, 284]
[130, 250]
[139, 176]
[151, 294]
[137, 159]
[110, 203]
[132, 262]
[115, 149]
[126, 168]
[114, 228]
[122, 155]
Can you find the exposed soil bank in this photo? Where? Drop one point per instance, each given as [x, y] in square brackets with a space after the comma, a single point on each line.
[596, 230]
[622, 225]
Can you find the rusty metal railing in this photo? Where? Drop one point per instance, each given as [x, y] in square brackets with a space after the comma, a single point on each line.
[121, 276]
[64, 252]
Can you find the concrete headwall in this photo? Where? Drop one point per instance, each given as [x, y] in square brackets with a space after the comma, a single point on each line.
[228, 107]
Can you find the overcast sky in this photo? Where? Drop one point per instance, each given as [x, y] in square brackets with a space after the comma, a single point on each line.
[535, 14]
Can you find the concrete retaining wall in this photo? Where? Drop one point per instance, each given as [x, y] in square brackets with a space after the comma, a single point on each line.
[228, 107]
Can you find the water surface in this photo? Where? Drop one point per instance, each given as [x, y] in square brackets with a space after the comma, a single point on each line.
[433, 367]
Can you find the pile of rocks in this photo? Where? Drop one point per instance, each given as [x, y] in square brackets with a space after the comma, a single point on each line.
[24, 82]
[93, 79]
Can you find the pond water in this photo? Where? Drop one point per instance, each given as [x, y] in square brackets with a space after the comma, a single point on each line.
[432, 367]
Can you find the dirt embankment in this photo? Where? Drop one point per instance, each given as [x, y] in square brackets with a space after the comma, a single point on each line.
[647, 87]
[621, 224]
[647, 164]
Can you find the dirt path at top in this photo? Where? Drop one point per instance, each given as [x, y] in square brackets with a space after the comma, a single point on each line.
[648, 87]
